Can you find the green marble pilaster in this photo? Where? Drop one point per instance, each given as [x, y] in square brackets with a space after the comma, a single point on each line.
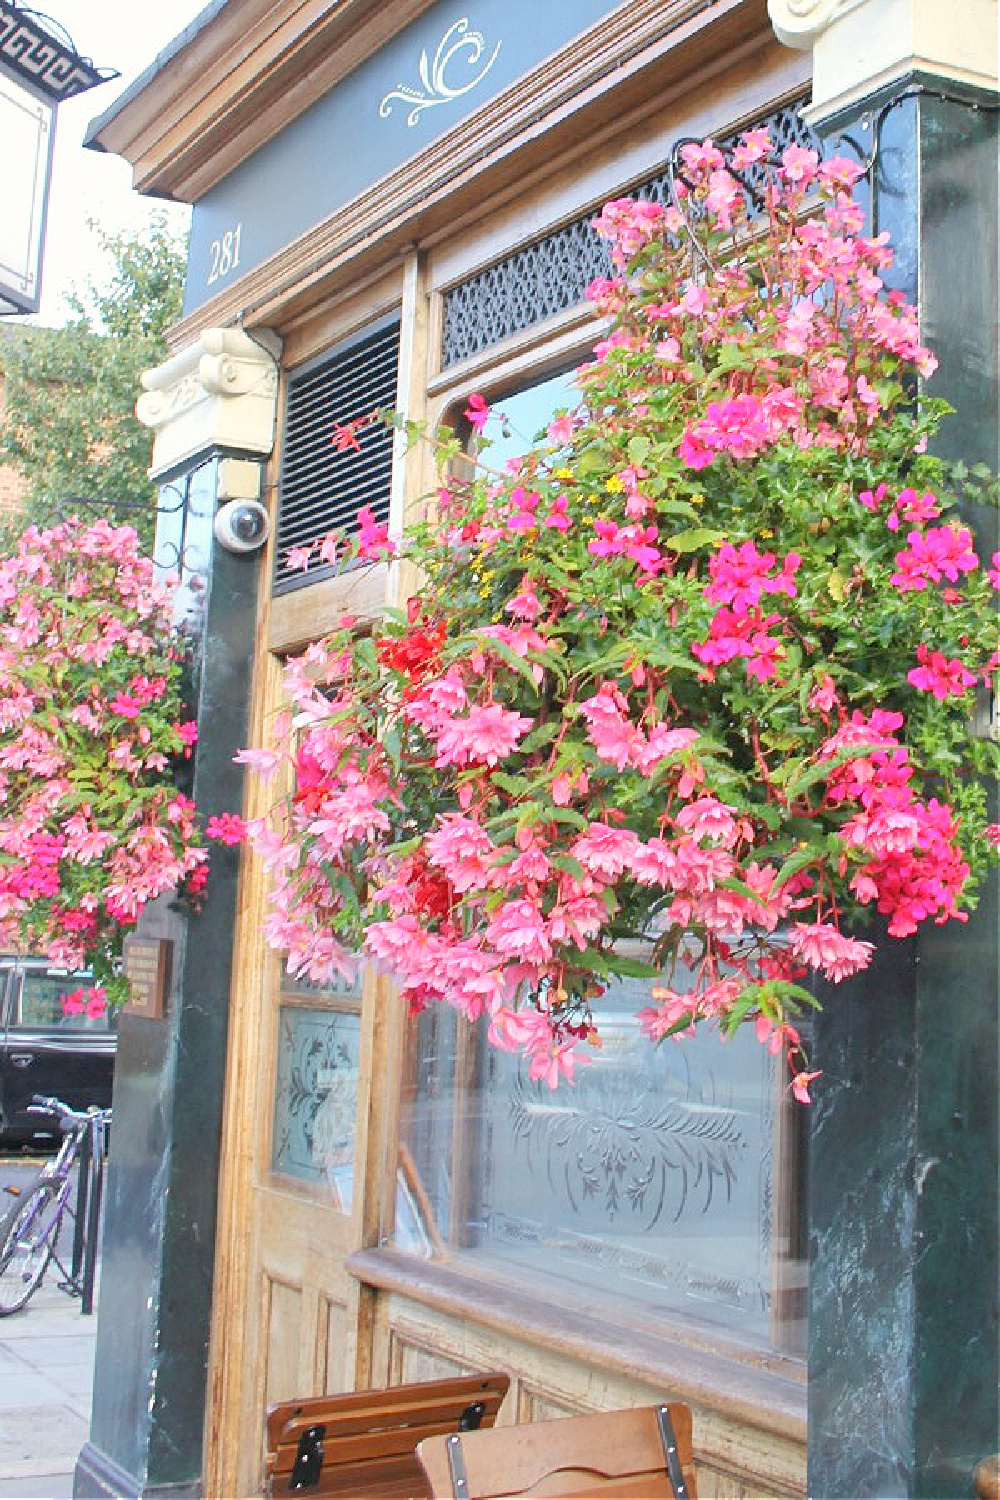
[903, 1358]
[154, 1316]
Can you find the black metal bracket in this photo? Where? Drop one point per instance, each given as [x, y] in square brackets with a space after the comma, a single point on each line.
[308, 1465]
[875, 121]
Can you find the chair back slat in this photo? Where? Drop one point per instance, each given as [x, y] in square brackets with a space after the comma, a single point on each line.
[362, 1443]
[602, 1453]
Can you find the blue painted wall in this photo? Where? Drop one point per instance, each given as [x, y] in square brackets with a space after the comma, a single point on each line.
[440, 69]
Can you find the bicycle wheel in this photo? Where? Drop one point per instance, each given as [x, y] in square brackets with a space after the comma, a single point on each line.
[27, 1239]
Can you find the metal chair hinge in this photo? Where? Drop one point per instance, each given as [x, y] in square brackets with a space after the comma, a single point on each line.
[308, 1465]
[669, 1441]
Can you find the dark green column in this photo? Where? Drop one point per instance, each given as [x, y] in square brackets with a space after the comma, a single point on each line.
[155, 1307]
[903, 1345]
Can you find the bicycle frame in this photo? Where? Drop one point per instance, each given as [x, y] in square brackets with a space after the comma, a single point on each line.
[83, 1142]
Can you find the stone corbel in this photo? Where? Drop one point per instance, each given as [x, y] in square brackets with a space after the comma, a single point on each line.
[217, 396]
[862, 47]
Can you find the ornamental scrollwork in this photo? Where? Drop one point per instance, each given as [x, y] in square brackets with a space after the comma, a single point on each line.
[435, 87]
[630, 1152]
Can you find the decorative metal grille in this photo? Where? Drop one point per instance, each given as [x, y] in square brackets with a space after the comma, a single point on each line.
[322, 487]
[553, 274]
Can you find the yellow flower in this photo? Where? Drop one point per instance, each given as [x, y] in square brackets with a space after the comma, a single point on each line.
[563, 474]
[614, 485]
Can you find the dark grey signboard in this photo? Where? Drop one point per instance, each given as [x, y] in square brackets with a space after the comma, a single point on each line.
[419, 85]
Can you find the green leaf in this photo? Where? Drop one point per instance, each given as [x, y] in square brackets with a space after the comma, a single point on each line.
[694, 540]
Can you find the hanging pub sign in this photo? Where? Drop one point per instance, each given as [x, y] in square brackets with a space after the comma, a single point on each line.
[39, 67]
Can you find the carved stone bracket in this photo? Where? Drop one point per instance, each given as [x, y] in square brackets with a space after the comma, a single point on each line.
[217, 396]
[861, 47]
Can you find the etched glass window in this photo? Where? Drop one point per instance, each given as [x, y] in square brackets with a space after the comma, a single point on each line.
[650, 1184]
[316, 1097]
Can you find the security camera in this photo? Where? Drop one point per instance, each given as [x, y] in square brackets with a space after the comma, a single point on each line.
[241, 525]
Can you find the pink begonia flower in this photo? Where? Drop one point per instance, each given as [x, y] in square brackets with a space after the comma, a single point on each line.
[187, 732]
[670, 1008]
[800, 1086]
[560, 430]
[937, 675]
[373, 537]
[693, 452]
[824, 695]
[603, 851]
[753, 146]
[558, 517]
[297, 558]
[550, 1065]
[740, 577]
[663, 744]
[518, 928]
[708, 818]
[328, 548]
[799, 165]
[264, 762]
[614, 738]
[477, 413]
[776, 1036]
[993, 573]
[992, 832]
[487, 733]
[564, 785]
[941, 552]
[227, 828]
[702, 156]
[437, 701]
[839, 172]
[463, 849]
[824, 948]
[525, 604]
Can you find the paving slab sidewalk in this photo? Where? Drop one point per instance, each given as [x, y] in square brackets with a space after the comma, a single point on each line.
[46, 1385]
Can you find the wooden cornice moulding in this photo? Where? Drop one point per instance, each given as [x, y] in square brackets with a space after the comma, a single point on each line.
[240, 82]
[614, 67]
[768, 1393]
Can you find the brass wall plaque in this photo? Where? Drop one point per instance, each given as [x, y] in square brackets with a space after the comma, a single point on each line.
[147, 969]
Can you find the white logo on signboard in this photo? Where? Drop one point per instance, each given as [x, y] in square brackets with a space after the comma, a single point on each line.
[457, 42]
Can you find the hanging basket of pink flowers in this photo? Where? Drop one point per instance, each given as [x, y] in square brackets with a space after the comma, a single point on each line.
[698, 671]
[92, 729]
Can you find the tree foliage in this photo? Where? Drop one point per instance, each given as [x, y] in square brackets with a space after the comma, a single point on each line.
[68, 423]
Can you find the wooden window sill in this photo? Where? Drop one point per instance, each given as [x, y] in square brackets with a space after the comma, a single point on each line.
[766, 1391]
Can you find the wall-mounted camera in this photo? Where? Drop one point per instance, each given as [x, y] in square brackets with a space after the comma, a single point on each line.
[242, 525]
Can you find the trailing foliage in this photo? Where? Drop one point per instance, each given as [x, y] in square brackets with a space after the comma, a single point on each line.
[92, 826]
[697, 671]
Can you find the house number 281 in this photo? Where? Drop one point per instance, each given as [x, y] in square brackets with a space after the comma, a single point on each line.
[225, 253]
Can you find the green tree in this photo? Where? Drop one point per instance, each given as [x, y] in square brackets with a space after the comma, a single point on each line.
[68, 422]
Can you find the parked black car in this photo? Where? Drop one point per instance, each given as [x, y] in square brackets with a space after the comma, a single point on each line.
[45, 1051]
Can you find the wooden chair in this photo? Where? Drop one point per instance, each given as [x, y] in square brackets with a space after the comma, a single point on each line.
[644, 1453]
[362, 1444]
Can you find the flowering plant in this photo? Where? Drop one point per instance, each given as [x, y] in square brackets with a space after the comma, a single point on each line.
[91, 828]
[697, 670]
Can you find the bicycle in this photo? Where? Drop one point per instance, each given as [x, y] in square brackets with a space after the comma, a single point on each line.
[30, 1232]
